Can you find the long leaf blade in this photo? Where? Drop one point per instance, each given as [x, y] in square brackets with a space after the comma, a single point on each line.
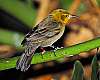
[77, 71]
[95, 67]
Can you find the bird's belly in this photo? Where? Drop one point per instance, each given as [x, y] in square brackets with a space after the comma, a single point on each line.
[52, 40]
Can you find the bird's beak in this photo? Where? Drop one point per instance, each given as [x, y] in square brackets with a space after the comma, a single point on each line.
[74, 16]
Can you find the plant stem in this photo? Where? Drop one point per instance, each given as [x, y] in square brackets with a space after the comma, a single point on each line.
[49, 55]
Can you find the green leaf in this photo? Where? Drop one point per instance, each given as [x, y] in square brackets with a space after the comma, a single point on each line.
[11, 38]
[95, 67]
[19, 10]
[77, 71]
[65, 4]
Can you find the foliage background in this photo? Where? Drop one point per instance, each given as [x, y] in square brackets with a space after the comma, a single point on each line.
[17, 17]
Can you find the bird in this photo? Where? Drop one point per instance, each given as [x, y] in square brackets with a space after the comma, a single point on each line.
[44, 34]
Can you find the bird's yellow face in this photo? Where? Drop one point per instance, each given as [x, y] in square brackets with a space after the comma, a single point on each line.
[62, 16]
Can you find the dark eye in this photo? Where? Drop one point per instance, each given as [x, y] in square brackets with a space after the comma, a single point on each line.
[66, 15]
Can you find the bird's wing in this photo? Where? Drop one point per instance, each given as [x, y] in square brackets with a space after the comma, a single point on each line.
[35, 29]
[44, 30]
[28, 35]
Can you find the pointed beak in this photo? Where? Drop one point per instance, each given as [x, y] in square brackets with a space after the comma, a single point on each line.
[74, 16]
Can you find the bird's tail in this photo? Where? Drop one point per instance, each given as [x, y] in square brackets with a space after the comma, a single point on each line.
[24, 61]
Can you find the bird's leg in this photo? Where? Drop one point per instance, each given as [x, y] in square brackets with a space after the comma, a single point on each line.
[54, 48]
[43, 51]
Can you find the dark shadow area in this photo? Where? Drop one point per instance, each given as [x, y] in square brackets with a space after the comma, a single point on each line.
[9, 22]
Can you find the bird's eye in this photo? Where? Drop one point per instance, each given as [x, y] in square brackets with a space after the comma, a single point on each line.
[66, 15]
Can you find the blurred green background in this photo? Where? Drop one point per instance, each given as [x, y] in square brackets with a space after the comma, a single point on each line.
[18, 17]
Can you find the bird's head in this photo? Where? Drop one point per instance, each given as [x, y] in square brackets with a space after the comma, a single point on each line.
[62, 16]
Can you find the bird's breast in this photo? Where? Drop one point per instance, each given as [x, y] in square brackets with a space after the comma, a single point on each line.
[53, 39]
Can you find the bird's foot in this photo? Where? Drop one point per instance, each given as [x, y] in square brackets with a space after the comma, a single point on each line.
[55, 48]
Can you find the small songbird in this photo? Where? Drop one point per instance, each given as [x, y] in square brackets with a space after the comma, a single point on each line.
[44, 34]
